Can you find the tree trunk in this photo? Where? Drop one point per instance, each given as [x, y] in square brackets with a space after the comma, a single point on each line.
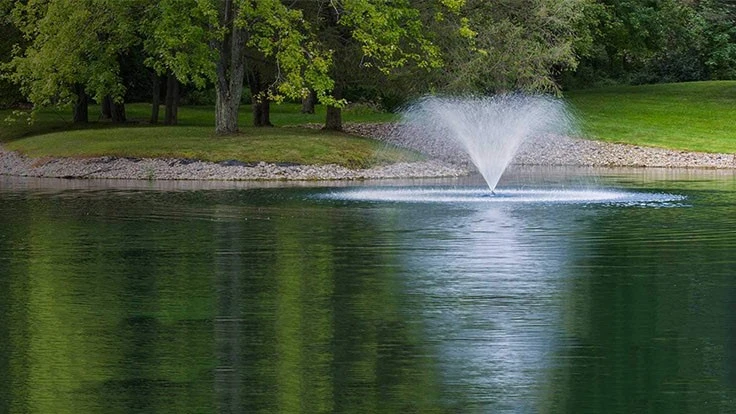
[230, 71]
[226, 113]
[334, 119]
[172, 100]
[259, 96]
[81, 113]
[106, 107]
[308, 102]
[262, 113]
[156, 98]
[334, 114]
[118, 113]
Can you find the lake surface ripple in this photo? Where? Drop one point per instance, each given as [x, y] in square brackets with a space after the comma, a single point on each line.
[225, 297]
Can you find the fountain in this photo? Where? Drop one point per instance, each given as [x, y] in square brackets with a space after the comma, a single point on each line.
[488, 129]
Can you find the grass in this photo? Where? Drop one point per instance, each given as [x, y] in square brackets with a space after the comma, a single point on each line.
[54, 136]
[693, 116]
[292, 145]
[55, 120]
[697, 116]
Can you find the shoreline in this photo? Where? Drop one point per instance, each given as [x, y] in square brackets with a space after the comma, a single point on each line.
[547, 151]
[151, 169]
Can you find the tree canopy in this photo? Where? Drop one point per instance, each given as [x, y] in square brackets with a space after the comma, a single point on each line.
[71, 43]
[62, 51]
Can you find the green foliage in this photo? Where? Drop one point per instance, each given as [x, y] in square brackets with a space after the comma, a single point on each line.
[9, 37]
[373, 41]
[510, 45]
[650, 41]
[390, 34]
[71, 42]
[176, 40]
[281, 33]
[720, 36]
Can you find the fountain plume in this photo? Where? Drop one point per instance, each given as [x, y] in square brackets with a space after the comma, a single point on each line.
[488, 129]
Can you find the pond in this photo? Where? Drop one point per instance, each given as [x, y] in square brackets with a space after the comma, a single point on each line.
[120, 297]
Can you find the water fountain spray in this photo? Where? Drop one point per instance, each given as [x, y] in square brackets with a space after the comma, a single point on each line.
[488, 129]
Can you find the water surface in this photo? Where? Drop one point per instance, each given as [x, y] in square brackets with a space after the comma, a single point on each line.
[119, 297]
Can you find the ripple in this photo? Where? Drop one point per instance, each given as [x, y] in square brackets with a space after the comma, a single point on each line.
[511, 195]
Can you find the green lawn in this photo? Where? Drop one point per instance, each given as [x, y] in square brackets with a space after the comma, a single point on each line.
[53, 136]
[293, 145]
[696, 116]
[699, 116]
[54, 120]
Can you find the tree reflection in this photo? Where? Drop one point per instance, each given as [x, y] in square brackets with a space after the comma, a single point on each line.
[650, 329]
[158, 302]
[319, 325]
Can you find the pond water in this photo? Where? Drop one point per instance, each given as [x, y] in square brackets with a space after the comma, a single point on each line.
[119, 297]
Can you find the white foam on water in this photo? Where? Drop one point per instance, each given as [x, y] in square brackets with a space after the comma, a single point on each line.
[478, 195]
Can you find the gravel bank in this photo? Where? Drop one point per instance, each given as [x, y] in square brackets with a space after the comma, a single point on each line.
[180, 169]
[561, 151]
[446, 162]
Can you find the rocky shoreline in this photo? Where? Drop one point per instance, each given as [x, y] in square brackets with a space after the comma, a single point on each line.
[13, 164]
[565, 151]
[546, 151]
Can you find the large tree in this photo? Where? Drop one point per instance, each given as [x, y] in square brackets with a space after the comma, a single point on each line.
[74, 49]
[370, 39]
[176, 36]
[279, 33]
[509, 45]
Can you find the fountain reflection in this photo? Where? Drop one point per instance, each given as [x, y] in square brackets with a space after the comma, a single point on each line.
[492, 300]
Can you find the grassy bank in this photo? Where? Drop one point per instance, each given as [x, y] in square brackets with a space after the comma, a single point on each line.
[694, 116]
[52, 135]
[278, 145]
[55, 120]
[697, 116]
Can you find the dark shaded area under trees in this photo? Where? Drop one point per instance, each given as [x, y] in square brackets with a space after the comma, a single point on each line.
[330, 52]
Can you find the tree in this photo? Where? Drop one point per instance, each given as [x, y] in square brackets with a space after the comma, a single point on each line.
[176, 36]
[370, 39]
[308, 102]
[261, 78]
[279, 33]
[76, 47]
[74, 51]
[649, 41]
[230, 66]
[720, 36]
[509, 45]
[10, 38]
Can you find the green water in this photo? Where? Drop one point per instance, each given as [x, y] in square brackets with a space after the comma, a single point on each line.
[198, 298]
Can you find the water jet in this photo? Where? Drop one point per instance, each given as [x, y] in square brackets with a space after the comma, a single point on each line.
[489, 130]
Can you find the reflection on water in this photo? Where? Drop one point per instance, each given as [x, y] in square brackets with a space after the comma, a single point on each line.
[254, 299]
[494, 296]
